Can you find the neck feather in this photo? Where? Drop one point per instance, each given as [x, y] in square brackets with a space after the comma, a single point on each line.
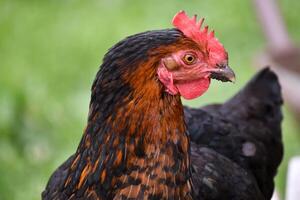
[136, 132]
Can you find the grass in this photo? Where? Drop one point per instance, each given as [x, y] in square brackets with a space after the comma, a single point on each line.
[50, 53]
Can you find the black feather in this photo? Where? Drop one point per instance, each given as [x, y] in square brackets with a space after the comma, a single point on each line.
[246, 129]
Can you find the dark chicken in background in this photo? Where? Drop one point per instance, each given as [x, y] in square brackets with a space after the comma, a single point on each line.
[136, 144]
[247, 131]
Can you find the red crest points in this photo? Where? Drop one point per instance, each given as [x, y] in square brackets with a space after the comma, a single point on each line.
[193, 30]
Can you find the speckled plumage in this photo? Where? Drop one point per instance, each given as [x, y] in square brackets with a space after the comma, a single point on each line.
[129, 149]
[135, 145]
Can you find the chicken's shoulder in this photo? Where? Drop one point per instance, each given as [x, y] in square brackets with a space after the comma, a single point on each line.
[216, 177]
[56, 181]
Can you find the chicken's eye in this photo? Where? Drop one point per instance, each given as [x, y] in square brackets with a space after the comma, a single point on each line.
[189, 59]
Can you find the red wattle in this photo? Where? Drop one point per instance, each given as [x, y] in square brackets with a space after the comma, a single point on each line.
[193, 89]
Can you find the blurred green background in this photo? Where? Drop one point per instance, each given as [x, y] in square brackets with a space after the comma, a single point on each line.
[50, 51]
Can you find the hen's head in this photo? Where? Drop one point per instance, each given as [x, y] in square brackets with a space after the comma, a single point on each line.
[188, 70]
[177, 61]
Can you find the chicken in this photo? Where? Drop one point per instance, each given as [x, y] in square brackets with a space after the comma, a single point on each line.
[246, 130]
[136, 145]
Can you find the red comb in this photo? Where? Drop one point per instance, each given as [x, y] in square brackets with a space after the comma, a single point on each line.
[192, 29]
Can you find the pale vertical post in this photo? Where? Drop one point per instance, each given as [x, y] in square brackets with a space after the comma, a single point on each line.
[272, 24]
[275, 196]
[293, 180]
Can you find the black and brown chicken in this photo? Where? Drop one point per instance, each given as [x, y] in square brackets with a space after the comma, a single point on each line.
[141, 143]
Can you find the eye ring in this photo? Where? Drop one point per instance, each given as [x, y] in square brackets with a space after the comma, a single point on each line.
[189, 59]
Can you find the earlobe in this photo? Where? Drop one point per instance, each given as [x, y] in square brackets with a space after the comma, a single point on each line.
[170, 63]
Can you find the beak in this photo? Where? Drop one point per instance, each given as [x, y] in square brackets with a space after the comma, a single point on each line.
[224, 73]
